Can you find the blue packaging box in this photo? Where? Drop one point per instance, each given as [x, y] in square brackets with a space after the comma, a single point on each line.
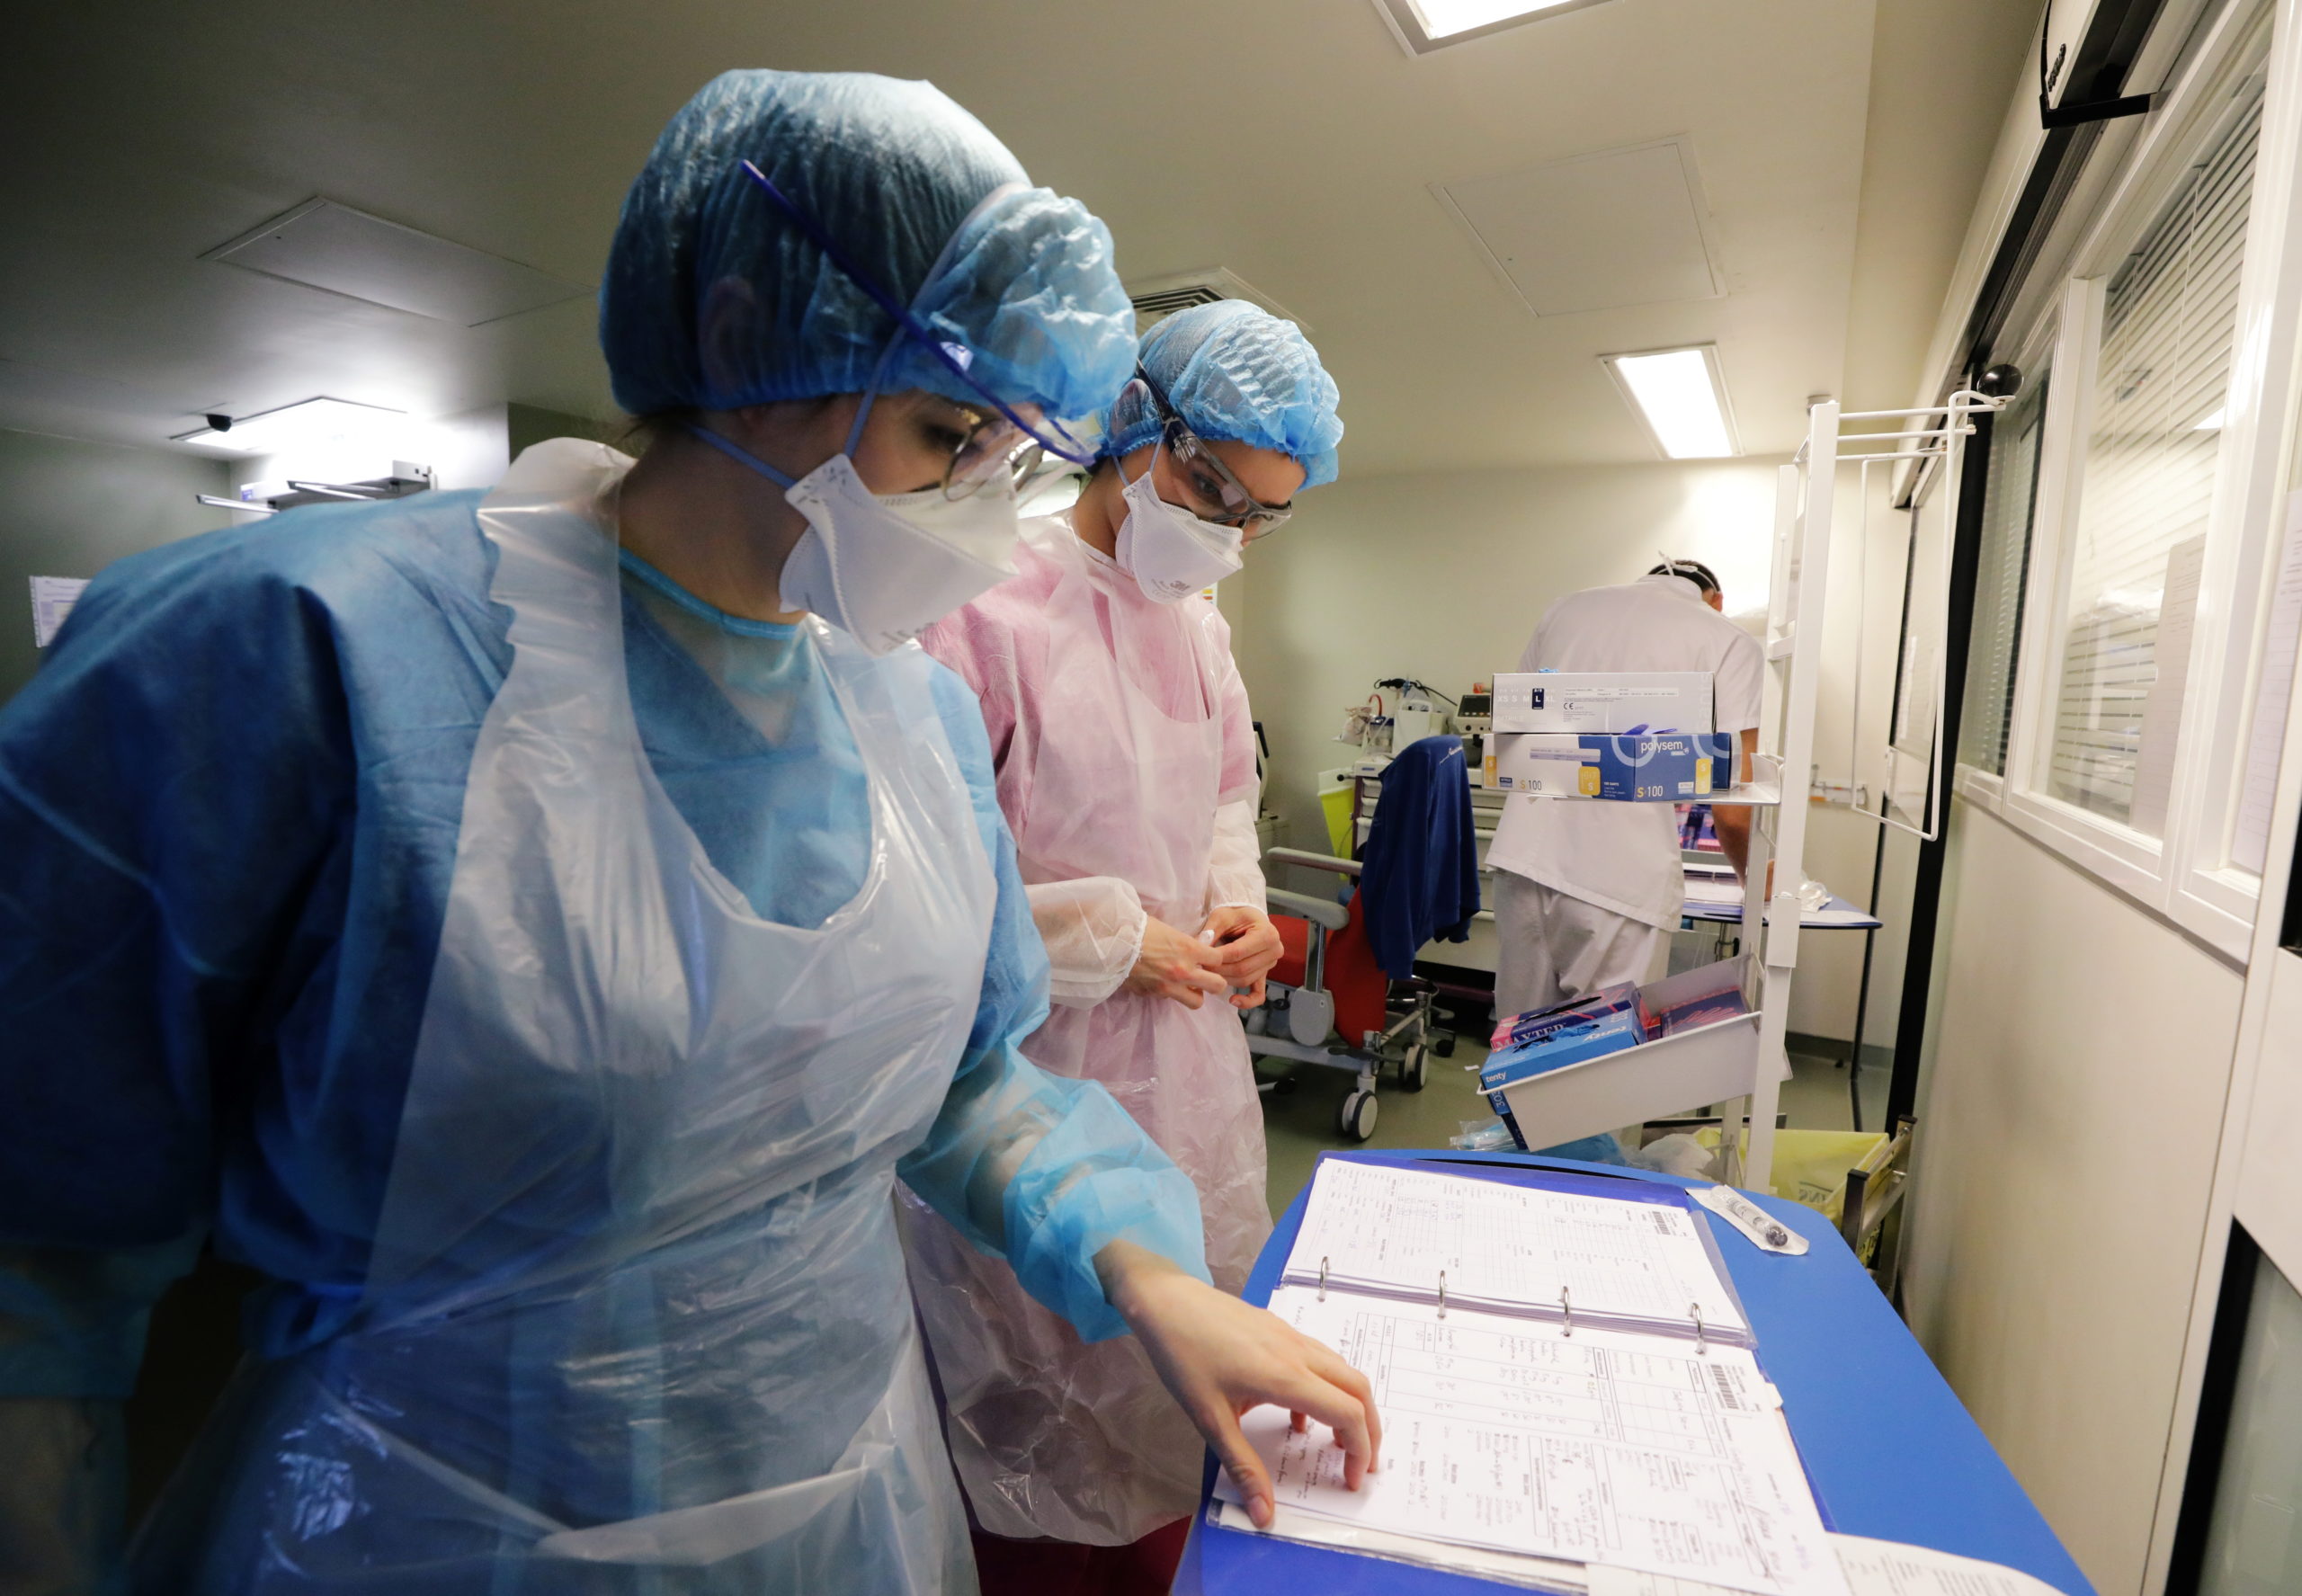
[1588, 1038]
[1642, 766]
[1535, 1023]
[1673, 766]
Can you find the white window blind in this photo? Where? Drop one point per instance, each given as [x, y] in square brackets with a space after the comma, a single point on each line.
[2008, 499]
[2169, 318]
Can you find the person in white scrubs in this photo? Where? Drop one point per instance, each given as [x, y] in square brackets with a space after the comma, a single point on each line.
[1587, 895]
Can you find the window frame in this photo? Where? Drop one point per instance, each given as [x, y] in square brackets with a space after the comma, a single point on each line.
[2040, 349]
[2185, 875]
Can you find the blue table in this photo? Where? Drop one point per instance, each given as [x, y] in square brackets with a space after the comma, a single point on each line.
[1889, 1451]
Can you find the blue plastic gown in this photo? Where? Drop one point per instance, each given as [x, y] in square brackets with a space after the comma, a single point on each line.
[229, 814]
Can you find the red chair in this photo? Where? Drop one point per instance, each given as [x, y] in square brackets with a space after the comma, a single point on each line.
[1329, 1003]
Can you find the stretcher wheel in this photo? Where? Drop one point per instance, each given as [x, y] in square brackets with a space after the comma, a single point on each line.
[1444, 1046]
[1357, 1119]
[1415, 1069]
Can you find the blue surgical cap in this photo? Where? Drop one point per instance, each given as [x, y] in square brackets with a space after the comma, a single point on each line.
[1235, 371]
[916, 193]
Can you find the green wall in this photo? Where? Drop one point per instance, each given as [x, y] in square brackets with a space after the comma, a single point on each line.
[530, 424]
[69, 509]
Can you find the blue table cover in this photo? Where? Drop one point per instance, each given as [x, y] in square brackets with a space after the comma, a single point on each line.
[1889, 1451]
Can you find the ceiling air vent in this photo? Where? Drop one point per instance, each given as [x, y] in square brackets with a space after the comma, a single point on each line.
[324, 244]
[1597, 232]
[1157, 298]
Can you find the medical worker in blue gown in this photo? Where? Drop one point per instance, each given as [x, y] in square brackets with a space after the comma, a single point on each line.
[536, 929]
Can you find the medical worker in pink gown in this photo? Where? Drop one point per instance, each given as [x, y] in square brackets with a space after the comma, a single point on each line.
[1126, 767]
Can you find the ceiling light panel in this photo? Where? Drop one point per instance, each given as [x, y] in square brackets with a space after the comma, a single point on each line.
[1421, 26]
[326, 245]
[314, 423]
[1680, 396]
[1444, 19]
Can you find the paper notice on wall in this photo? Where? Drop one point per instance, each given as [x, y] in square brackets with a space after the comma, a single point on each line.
[2162, 710]
[2282, 635]
[53, 599]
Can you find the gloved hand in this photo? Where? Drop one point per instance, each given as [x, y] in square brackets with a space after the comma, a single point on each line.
[1250, 946]
[1177, 965]
[1218, 1358]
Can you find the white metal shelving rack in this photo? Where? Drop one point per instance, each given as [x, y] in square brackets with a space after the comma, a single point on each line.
[1806, 495]
[1805, 491]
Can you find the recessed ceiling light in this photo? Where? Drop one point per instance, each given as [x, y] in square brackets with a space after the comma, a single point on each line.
[1681, 397]
[311, 423]
[1421, 26]
[1444, 19]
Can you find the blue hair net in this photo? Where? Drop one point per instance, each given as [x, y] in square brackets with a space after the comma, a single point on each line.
[1235, 371]
[713, 298]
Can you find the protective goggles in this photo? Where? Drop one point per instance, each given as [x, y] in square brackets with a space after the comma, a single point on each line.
[1214, 492]
[986, 451]
[990, 453]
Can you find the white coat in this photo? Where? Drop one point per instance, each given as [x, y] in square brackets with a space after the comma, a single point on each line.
[1624, 858]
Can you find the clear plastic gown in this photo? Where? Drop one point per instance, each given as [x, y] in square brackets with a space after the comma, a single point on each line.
[636, 1317]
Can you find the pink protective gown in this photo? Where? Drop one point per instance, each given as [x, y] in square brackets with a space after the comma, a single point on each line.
[1126, 766]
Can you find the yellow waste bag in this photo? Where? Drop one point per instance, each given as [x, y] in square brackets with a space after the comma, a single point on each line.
[1336, 805]
[1810, 1165]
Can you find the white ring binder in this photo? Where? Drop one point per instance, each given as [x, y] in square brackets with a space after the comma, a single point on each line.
[1444, 1284]
[1515, 1253]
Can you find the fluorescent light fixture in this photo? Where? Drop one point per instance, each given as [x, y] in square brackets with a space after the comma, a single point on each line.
[1681, 397]
[1444, 19]
[1421, 26]
[312, 423]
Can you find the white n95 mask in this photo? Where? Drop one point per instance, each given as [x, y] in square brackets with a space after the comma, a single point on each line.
[884, 568]
[1170, 552]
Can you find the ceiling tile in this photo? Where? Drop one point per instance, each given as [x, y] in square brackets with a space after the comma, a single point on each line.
[1596, 232]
